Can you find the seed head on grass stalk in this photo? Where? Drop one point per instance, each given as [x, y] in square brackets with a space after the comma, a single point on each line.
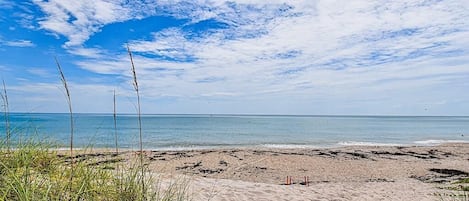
[135, 84]
[69, 102]
[6, 113]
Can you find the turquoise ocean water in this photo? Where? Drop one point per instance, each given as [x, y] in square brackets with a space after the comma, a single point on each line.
[213, 131]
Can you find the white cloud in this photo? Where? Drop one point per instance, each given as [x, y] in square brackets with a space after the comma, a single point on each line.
[86, 52]
[77, 20]
[41, 72]
[4, 68]
[329, 44]
[18, 43]
[331, 51]
[41, 96]
[170, 43]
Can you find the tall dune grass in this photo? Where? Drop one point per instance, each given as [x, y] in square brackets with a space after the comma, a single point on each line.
[114, 117]
[458, 196]
[137, 91]
[6, 110]
[37, 170]
[69, 103]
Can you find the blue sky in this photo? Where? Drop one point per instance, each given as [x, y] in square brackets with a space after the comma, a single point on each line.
[239, 57]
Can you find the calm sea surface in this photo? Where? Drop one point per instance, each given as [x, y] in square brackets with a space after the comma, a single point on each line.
[212, 131]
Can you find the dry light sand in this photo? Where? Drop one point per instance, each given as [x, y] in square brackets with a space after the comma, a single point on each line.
[346, 173]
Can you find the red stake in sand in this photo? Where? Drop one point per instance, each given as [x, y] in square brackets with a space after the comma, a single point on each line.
[289, 181]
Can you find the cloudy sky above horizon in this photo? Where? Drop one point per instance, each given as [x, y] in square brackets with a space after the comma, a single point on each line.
[239, 57]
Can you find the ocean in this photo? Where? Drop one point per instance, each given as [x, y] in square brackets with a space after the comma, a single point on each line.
[173, 132]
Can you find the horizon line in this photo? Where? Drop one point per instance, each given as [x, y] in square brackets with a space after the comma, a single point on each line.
[245, 114]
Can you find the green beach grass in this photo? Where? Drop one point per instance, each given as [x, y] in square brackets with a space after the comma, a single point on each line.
[37, 171]
[33, 170]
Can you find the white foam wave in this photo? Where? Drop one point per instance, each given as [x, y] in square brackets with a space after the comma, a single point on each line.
[289, 146]
[437, 142]
[357, 143]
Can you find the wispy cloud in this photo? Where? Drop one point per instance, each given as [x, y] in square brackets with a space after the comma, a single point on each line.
[77, 20]
[4, 68]
[269, 50]
[5, 4]
[297, 42]
[278, 44]
[41, 72]
[42, 95]
[18, 43]
[86, 52]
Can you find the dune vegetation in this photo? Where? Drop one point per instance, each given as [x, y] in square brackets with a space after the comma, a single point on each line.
[39, 170]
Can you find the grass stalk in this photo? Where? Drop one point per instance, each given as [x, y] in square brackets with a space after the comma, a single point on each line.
[118, 171]
[69, 102]
[135, 84]
[115, 124]
[6, 114]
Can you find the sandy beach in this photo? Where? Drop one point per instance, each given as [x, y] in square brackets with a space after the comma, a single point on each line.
[345, 173]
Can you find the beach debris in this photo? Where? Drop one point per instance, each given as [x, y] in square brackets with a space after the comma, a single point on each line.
[110, 161]
[180, 154]
[357, 155]
[157, 157]
[449, 172]
[211, 171]
[261, 168]
[379, 180]
[438, 175]
[430, 155]
[191, 166]
[232, 154]
[206, 152]
[223, 163]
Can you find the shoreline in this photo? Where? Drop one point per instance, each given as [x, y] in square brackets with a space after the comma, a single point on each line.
[344, 144]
